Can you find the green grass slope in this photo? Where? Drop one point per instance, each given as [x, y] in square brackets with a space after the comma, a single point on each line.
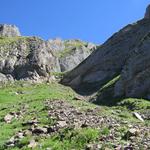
[35, 101]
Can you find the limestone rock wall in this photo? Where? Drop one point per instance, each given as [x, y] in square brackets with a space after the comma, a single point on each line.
[31, 58]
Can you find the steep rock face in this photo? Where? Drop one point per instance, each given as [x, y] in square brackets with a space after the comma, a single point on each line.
[70, 53]
[122, 54]
[9, 30]
[74, 53]
[108, 60]
[135, 76]
[26, 58]
[31, 58]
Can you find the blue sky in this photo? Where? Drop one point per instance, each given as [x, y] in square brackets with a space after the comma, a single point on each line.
[88, 20]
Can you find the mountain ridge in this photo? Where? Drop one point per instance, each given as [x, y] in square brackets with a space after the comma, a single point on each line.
[113, 58]
[32, 58]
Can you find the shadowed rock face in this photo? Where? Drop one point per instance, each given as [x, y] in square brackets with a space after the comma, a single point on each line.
[135, 76]
[127, 53]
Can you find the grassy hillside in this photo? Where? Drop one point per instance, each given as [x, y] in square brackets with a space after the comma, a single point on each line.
[51, 116]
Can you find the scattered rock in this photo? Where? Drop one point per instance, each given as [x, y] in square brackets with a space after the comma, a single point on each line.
[145, 114]
[20, 135]
[32, 144]
[39, 130]
[132, 132]
[69, 116]
[48, 148]
[31, 122]
[62, 124]
[93, 147]
[8, 118]
[138, 116]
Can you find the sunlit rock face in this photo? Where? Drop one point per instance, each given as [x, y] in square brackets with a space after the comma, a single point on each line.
[32, 58]
[26, 58]
[127, 54]
[70, 53]
[9, 30]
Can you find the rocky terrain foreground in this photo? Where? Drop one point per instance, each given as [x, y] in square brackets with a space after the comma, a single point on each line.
[50, 116]
[36, 112]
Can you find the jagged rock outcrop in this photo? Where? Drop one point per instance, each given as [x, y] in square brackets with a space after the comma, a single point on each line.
[9, 30]
[135, 75]
[70, 53]
[26, 58]
[5, 78]
[31, 58]
[74, 53]
[126, 54]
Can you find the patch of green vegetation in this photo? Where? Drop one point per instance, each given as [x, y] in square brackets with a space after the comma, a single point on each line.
[65, 52]
[110, 83]
[72, 139]
[105, 94]
[11, 40]
[32, 98]
[24, 142]
[10, 43]
[74, 43]
[105, 131]
[135, 104]
[22, 91]
[14, 97]
[70, 47]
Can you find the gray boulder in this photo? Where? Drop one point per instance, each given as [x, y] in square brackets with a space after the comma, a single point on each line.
[2, 78]
[9, 30]
[5, 78]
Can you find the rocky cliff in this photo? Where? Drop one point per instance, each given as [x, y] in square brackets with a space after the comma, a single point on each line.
[31, 58]
[126, 56]
[9, 30]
